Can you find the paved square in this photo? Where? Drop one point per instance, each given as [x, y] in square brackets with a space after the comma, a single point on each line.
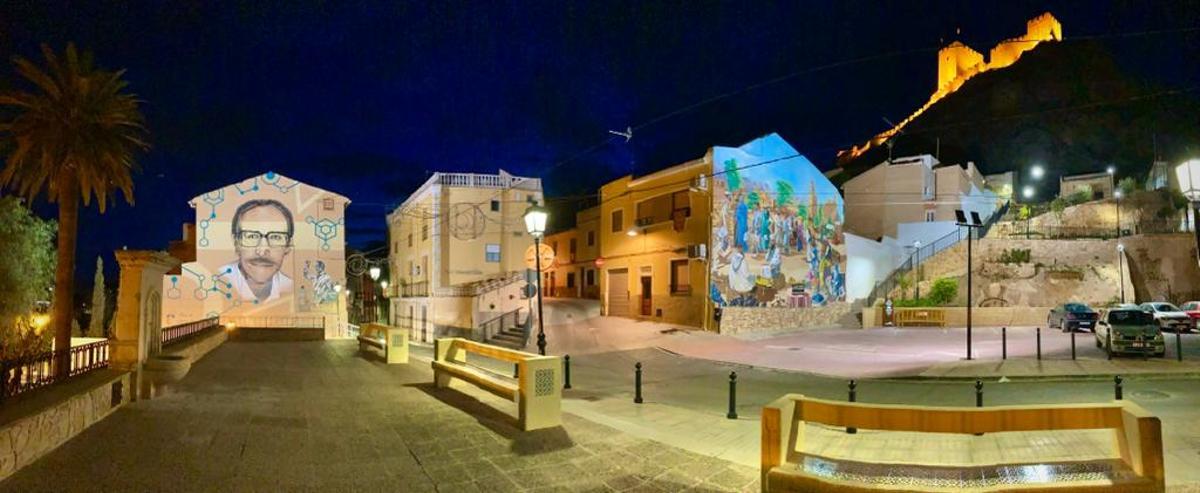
[316, 416]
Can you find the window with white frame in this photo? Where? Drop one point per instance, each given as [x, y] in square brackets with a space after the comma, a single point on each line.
[491, 252]
[929, 216]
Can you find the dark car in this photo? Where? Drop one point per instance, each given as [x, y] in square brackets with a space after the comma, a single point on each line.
[1072, 316]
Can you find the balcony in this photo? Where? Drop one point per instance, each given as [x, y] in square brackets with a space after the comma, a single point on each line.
[414, 290]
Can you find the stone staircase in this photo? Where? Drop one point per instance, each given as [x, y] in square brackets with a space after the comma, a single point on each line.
[511, 338]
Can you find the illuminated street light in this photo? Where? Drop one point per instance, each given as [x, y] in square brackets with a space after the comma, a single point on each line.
[631, 232]
[1027, 192]
[1037, 172]
[1112, 170]
[383, 284]
[1188, 174]
[375, 271]
[535, 223]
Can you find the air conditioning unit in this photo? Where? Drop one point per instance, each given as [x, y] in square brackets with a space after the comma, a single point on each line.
[698, 251]
[699, 184]
[644, 221]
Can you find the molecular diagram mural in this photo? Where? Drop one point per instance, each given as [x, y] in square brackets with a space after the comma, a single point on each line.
[324, 230]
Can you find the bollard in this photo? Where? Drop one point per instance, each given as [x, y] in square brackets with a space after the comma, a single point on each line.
[566, 371]
[1039, 343]
[1120, 393]
[732, 414]
[637, 383]
[1003, 342]
[1072, 344]
[1178, 347]
[1108, 343]
[853, 398]
[516, 370]
[978, 393]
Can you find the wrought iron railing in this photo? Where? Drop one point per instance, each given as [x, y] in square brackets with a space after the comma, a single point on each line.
[182, 332]
[281, 322]
[415, 290]
[21, 375]
[489, 329]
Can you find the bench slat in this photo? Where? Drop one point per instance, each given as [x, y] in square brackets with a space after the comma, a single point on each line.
[480, 379]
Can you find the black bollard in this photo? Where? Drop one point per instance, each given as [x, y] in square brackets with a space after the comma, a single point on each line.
[1117, 390]
[516, 370]
[566, 371]
[1003, 342]
[732, 414]
[853, 398]
[978, 393]
[1108, 343]
[1039, 343]
[1072, 344]
[637, 383]
[1178, 346]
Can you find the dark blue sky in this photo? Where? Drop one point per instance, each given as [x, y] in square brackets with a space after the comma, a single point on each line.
[366, 98]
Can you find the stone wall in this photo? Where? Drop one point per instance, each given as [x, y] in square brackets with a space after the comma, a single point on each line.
[45, 419]
[751, 320]
[200, 345]
[1007, 316]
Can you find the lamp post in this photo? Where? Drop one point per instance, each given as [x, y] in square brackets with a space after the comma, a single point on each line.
[972, 225]
[1027, 194]
[1189, 183]
[374, 272]
[383, 285]
[1121, 268]
[337, 289]
[917, 253]
[535, 223]
[1117, 202]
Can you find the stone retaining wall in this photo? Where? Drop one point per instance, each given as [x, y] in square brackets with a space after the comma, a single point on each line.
[749, 320]
[1006, 316]
[41, 421]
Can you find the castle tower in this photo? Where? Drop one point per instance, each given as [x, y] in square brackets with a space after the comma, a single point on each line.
[1043, 28]
[954, 60]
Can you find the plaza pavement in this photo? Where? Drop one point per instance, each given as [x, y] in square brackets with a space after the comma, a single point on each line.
[317, 416]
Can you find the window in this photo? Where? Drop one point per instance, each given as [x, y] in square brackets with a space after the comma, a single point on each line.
[529, 198]
[570, 279]
[327, 204]
[664, 207]
[590, 277]
[929, 216]
[618, 221]
[495, 206]
[410, 240]
[680, 277]
[571, 248]
[491, 252]
[681, 203]
[591, 238]
[424, 232]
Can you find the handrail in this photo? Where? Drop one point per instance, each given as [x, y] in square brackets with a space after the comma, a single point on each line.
[487, 334]
[184, 331]
[23, 374]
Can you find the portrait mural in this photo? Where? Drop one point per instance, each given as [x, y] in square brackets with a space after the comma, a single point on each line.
[268, 246]
[777, 229]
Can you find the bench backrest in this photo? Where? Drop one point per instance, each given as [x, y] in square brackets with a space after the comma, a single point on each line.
[919, 315]
[1138, 433]
[373, 330]
[455, 344]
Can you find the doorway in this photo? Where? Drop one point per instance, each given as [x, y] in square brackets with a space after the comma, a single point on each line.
[646, 303]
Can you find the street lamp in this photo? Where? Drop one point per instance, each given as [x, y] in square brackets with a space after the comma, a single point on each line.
[1189, 183]
[1037, 172]
[374, 271]
[535, 223]
[974, 224]
[1121, 268]
[1117, 202]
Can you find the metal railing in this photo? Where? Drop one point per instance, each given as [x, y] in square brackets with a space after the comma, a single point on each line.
[21, 375]
[282, 322]
[487, 330]
[185, 331]
[415, 290]
[1026, 230]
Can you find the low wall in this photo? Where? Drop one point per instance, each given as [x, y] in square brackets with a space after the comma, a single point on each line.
[38, 423]
[750, 320]
[956, 316]
[195, 348]
[277, 334]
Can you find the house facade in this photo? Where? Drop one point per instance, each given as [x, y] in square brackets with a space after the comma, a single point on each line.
[457, 253]
[912, 189]
[1098, 186]
[575, 274]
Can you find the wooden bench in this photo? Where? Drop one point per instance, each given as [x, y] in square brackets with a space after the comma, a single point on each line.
[537, 390]
[1130, 459]
[378, 336]
[925, 317]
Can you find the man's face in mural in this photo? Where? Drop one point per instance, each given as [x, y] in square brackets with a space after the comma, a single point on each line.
[262, 238]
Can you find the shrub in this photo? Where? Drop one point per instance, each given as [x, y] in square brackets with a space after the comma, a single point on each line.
[1083, 194]
[944, 291]
[1015, 256]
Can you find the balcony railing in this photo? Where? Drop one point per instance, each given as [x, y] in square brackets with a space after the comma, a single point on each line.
[282, 322]
[21, 375]
[183, 332]
[415, 290]
[476, 180]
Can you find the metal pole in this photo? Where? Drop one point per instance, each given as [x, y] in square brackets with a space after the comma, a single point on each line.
[1003, 342]
[968, 292]
[978, 393]
[918, 273]
[853, 398]
[1108, 342]
[1178, 346]
[637, 383]
[1120, 392]
[1121, 271]
[566, 371]
[1039, 343]
[1072, 344]
[732, 414]
[537, 256]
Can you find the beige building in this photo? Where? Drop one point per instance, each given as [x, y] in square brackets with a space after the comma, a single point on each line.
[457, 253]
[575, 274]
[1098, 185]
[653, 233]
[910, 190]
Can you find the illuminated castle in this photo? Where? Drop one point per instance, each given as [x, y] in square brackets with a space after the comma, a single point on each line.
[958, 62]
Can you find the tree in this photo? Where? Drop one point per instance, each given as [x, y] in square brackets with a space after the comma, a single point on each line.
[1127, 186]
[26, 272]
[783, 193]
[752, 200]
[944, 291]
[99, 307]
[731, 175]
[1058, 206]
[74, 136]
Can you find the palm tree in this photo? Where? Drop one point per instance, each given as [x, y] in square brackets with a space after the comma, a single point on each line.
[73, 136]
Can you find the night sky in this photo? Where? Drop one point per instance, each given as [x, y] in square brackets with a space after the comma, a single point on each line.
[365, 99]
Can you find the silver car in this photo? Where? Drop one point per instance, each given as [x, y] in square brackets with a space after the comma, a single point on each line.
[1169, 317]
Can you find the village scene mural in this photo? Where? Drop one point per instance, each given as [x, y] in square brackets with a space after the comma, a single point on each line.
[777, 229]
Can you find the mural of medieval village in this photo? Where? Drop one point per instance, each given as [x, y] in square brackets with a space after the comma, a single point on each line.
[777, 229]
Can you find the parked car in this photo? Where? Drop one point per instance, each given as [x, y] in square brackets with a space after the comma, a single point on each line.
[1071, 317]
[1169, 316]
[1192, 308]
[1133, 332]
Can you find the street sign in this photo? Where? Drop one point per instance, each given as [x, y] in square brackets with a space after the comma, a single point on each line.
[547, 255]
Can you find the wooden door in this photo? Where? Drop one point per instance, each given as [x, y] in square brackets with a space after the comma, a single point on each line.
[646, 303]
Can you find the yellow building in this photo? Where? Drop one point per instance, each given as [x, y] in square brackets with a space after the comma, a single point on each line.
[574, 274]
[457, 254]
[653, 232]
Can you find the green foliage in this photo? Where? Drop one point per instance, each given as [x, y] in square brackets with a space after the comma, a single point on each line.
[1178, 200]
[26, 274]
[752, 200]
[731, 175]
[1080, 195]
[1127, 186]
[904, 282]
[1015, 256]
[1024, 212]
[944, 291]
[783, 193]
[1058, 205]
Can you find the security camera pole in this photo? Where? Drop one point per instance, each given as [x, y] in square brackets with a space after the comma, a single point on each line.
[971, 226]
